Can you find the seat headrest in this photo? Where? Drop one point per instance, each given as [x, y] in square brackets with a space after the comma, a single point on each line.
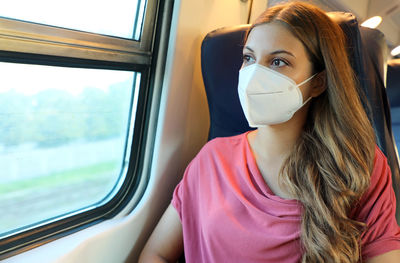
[221, 59]
[393, 82]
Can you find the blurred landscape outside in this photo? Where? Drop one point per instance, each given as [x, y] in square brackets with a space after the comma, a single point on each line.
[62, 139]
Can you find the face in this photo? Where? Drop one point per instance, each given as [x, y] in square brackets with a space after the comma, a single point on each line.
[274, 46]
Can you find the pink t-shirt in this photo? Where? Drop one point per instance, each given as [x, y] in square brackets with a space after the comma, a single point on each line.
[229, 214]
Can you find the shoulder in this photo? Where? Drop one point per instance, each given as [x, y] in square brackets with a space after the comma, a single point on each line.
[222, 147]
[230, 142]
[381, 171]
[218, 156]
[380, 157]
[214, 161]
[378, 189]
[380, 176]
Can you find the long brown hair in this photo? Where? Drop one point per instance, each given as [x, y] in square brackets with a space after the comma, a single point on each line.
[329, 168]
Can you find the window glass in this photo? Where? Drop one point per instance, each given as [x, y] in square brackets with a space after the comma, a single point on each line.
[119, 18]
[63, 138]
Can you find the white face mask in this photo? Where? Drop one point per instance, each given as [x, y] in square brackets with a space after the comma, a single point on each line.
[268, 97]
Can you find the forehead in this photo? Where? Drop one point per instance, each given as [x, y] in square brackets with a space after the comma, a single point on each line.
[266, 38]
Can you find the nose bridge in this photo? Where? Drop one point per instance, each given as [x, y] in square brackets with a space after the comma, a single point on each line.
[263, 59]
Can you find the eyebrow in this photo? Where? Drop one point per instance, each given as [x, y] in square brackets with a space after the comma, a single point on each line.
[274, 52]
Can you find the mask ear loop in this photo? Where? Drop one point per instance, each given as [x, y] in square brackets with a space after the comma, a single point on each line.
[305, 81]
[307, 100]
[301, 83]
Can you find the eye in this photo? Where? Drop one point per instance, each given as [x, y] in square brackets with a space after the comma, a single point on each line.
[277, 63]
[247, 59]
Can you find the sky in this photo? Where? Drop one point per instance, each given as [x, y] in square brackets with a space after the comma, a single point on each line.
[31, 79]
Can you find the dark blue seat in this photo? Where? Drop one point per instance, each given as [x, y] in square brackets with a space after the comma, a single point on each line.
[393, 92]
[393, 83]
[221, 58]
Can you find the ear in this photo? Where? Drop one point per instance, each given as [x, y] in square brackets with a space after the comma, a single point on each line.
[319, 84]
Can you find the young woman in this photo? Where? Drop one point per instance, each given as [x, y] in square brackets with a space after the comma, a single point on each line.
[309, 185]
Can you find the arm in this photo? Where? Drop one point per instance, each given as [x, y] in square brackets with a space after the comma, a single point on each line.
[166, 242]
[389, 257]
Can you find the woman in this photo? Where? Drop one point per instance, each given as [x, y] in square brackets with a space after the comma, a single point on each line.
[309, 184]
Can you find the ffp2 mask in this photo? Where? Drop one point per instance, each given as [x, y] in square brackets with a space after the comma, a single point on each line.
[268, 97]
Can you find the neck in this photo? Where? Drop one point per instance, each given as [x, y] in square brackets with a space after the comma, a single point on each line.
[276, 141]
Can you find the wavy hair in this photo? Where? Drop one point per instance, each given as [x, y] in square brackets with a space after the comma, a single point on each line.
[329, 167]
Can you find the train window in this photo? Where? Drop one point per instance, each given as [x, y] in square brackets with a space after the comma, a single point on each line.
[116, 18]
[63, 138]
[75, 95]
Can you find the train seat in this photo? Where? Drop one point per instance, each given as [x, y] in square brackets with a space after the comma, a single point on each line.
[221, 59]
[393, 92]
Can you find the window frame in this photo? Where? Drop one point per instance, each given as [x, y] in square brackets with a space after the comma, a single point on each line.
[23, 42]
[28, 37]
